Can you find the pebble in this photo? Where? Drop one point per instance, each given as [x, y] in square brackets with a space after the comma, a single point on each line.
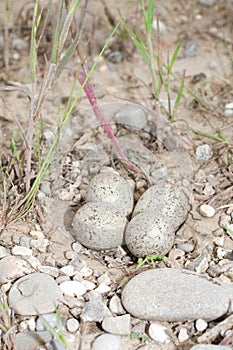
[183, 335]
[191, 49]
[76, 246]
[49, 318]
[72, 288]
[201, 325]
[103, 288]
[213, 64]
[210, 347]
[115, 57]
[67, 270]
[34, 294]
[107, 342]
[27, 325]
[119, 325]
[45, 188]
[25, 241]
[208, 190]
[94, 310]
[186, 247]
[229, 105]
[204, 152]
[49, 270]
[3, 252]
[41, 244]
[132, 115]
[115, 306]
[31, 340]
[207, 210]
[72, 325]
[99, 226]
[158, 333]
[20, 250]
[19, 44]
[152, 295]
[208, 3]
[37, 234]
[12, 267]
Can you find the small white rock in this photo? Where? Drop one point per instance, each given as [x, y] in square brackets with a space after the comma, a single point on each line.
[103, 288]
[115, 306]
[67, 270]
[204, 152]
[201, 325]
[72, 288]
[20, 250]
[72, 325]
[37, 234]
[207, 210]
[183, 335]
[86, 271]
[88, 285]
[49, 270]
[104, 279]
[229, 105]
[228, 112]
[158, 333]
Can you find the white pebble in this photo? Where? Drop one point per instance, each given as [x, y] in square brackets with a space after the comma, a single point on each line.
[229, 105]
[201, 325]
[20, 250]
[103, 288]
[228, 112]
[50, 270]
[158, 333]
[88, 285]
[67, 270]
[204, 152]
[37, 234]
[72, 288]
[183, 335]
[72, 325]
[207, 210]
[76, 246]
[86, 271]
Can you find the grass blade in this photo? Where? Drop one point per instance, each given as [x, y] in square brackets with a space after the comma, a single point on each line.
[173, 59]
[206, 134]
[150, 16]
[56, 40]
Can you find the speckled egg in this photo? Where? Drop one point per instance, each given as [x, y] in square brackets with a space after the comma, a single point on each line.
[158, 213]
[147, 235]
[99, 226]
[164, 200]
[111, 188]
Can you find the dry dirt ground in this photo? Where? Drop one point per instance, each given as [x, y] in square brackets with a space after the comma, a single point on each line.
[208, 88]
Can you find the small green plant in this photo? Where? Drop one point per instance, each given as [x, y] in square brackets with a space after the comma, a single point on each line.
[5, 313]
[155, 61]
[150, 260]
[142, 337]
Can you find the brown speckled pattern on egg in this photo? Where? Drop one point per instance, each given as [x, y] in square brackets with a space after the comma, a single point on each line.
[146, 235]
[113, 189]
[98, 226]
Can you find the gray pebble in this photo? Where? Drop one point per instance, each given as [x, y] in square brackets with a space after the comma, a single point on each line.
[115, 306]
[31, 340]
[209, 347]
[12, 267]
[19, 44]
[207, 3]
[191, 49]
[170, 294]
[204, 152]
[132, 115]
[107, 342]
[186, 247]
[119, 325]
[115, 57]
[34, 294]
[50, 318]
[3, 252]
[94, 310]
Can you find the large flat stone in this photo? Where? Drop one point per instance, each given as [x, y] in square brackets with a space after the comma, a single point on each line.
[175, 295]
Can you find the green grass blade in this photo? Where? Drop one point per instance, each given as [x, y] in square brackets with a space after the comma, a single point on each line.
[150, 16]
[206, 134]
[140, 45]
[173, 59]
[178, 98]
[33, 46]
[56, 40]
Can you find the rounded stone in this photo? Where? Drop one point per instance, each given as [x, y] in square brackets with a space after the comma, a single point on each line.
[107, 342]
[207, 210]
[111, 188]
[34, 294]
[99, 226]
[170, 294]
[132, 115]
[146, 235]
